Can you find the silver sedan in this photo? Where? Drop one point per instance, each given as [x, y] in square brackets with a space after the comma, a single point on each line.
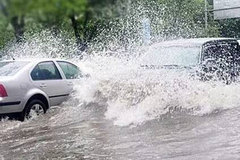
[30, 87]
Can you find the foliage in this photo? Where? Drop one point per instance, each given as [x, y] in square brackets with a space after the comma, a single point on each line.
[6, 33]
[230, 28]
[109, 22]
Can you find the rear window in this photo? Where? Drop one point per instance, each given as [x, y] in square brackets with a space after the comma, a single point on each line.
[11, 68]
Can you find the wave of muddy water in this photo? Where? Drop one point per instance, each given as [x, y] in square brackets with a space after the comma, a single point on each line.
[125, 112]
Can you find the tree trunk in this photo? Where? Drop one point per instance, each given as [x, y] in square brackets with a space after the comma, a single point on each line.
[81, 45]
[18, 26]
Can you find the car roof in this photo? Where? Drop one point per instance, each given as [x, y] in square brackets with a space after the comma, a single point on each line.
[189, 42]
[34, 60]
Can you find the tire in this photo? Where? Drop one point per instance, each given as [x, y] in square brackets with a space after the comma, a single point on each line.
[33, 107]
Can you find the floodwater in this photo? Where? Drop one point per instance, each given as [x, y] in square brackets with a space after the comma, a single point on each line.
[123, 112]
[93, 137]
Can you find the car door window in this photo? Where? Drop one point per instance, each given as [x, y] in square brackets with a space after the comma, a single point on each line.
[45, 71]
[70, 71]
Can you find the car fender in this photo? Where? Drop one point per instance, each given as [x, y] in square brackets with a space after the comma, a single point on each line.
[33, 92]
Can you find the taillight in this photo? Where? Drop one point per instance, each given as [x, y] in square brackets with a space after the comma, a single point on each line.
[3, 92]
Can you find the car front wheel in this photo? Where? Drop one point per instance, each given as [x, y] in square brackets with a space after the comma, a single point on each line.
[33, 109]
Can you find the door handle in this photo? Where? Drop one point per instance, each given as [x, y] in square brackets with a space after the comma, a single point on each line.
[43, 85]
[70, 83]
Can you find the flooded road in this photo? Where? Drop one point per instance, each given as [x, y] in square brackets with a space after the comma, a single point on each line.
[87, 135]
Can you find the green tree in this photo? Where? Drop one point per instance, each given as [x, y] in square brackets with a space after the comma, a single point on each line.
[15, 11]
[6, 32]
[184, 18]
[84, 16]
[230, 27]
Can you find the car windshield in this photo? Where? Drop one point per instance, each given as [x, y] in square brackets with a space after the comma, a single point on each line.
[174, 55]
[10, 68]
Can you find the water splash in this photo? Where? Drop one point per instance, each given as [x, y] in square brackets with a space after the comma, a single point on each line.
[132, 95]
[42, 45]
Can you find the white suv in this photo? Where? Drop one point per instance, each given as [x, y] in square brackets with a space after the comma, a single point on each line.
[30, 87]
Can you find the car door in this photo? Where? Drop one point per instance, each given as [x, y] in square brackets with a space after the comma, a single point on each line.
[47, 77]
[71, 71]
